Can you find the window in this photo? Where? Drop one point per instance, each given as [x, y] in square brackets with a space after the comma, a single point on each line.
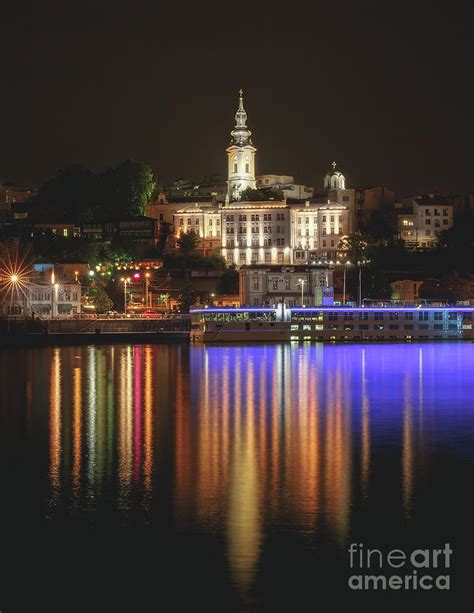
[247, 168]
[445, 212]
[275, 285]
[65, 232]
[235, 167]
[280, 257]
[268, 258]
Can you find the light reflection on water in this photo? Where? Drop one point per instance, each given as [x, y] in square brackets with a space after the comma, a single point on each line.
[245, 441]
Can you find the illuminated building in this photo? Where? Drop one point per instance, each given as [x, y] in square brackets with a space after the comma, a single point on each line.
[40, 294]
[263, 284]
[240, 155]
[317, 231]
[256, 233]
[286, 184]
[425, 218]
[205, 222]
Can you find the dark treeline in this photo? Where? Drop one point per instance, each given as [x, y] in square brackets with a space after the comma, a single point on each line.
[79, 195]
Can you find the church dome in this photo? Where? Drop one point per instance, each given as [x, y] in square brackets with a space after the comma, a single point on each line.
[334, 179]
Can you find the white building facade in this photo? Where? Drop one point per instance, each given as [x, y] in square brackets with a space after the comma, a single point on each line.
[240, 156]
[292, 285]
[256, 233]
[317, 231]
[285, 184]
[428, 217]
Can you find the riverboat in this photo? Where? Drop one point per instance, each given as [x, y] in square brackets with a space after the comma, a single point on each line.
[281, 323]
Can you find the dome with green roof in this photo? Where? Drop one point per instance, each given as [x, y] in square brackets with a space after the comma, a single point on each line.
[334, 179]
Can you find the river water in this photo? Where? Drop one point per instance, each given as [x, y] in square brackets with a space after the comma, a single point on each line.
[232, 478]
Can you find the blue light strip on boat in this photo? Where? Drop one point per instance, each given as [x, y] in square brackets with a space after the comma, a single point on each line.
[338, 309]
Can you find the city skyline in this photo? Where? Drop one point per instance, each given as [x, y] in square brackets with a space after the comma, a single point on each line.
[374, 90]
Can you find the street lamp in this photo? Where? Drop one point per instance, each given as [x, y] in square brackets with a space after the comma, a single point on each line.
[301, 282]
[147, 285]
[125, 281]
[14, 278]
[360, 264]
[345, 265]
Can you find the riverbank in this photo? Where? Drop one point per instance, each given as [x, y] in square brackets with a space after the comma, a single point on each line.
[43, 332]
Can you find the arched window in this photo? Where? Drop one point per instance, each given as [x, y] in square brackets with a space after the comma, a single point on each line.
[235, 166]
[247, 167]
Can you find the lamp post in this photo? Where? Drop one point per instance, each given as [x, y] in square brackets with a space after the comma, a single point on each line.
[147, 285]
[125, 281]
[301, 282]
[360, 264]
[345, 265]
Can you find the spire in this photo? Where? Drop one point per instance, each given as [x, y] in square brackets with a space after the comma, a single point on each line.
[241, 134]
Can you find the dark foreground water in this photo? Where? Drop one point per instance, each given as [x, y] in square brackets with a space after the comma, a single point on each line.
[176, 478]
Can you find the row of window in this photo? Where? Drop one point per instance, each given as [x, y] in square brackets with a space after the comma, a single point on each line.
[436, 212]
[301, 254]
[436, 222]
[349, 327]
[40, 296]
[332, 218]
[324, 232]
[255, 242]
[254, 258]
[197, 222]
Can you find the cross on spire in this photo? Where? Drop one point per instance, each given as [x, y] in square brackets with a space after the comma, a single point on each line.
[334, 165]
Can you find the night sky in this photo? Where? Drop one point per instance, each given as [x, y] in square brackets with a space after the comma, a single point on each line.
[385, 90]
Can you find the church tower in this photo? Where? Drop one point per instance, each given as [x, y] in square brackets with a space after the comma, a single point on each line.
[334, 179]
[240, 155]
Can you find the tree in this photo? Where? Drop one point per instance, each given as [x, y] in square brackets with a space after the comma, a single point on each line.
[381, 226]
[254, 195]
[103, 303]
[187, 297]
[356, 247]
[187, 242]
[229, 282]
[100, 298]
[71, 195]
[127, 188]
